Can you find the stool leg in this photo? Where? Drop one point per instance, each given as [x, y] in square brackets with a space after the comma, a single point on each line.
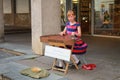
[74, 62]
[54, 63]
[66, 68]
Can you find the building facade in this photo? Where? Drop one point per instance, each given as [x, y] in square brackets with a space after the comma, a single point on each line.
[100, 18]
[91, 14]
[42, 17]
[17, 14]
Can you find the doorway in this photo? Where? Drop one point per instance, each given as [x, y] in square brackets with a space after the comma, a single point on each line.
[85, 16]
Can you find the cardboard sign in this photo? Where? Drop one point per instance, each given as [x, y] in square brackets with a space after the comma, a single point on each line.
[56, 52]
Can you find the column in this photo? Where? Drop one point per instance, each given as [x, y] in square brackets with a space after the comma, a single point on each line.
[45, 19]
[1, 22]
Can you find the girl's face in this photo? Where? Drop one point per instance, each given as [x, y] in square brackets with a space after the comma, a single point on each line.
[71, 18]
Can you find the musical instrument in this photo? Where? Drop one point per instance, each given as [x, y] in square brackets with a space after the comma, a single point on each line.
[67, 39]
[60, 41]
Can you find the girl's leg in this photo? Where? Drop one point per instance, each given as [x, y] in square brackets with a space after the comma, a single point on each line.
[60, 63]
[82, 58]
[75, 57]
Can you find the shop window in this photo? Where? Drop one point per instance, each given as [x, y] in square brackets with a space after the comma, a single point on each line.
[107, 17]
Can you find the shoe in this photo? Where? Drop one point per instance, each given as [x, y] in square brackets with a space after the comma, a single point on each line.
[76, 63]
[79, 63]
[58, 67]
[89, 66]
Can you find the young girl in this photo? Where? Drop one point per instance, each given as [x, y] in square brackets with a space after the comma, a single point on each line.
[73, 28]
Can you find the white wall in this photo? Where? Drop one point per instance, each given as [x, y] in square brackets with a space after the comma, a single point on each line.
[45, 19]
[22, 6]
[7, 7]
[1, 22]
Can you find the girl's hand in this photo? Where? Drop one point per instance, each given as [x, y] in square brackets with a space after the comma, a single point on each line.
[73, 34]
[62, 33]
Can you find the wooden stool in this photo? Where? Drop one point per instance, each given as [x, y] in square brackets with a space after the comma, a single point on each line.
[65, 70]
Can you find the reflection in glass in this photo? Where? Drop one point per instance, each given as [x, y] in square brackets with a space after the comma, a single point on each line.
[106, 18]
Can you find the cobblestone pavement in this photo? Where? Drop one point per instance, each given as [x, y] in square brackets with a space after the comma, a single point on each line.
[104, 52]
[5, 55]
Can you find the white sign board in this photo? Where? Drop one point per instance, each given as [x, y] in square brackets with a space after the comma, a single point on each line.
[56, 52]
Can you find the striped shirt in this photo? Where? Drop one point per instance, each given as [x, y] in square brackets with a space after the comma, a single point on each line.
[72, 28]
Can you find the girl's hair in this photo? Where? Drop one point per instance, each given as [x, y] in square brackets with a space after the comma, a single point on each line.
[70, 12]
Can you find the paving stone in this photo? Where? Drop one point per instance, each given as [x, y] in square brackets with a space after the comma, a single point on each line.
[5, 55]
[64, 79]
[104, 52]
[12, 70]
[17, 58]
[17, 47]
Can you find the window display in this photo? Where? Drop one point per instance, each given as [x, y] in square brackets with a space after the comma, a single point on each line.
[107, 17]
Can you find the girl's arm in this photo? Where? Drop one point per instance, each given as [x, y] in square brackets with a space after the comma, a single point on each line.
[78, 33]
[63, 32]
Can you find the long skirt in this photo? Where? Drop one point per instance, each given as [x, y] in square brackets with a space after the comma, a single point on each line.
[80, 47]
